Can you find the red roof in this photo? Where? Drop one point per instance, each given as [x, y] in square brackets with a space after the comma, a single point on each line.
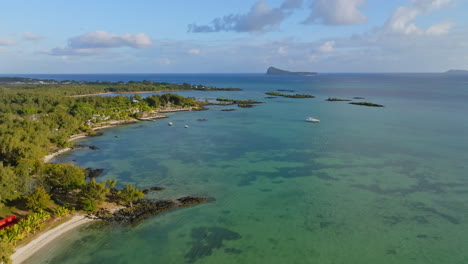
[8, 221]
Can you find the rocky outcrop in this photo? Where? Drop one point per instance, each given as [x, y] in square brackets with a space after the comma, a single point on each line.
[276, 71]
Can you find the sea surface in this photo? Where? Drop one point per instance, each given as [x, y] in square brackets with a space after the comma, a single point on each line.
[365, 185]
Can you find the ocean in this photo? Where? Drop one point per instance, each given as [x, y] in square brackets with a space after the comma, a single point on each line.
[365, 185]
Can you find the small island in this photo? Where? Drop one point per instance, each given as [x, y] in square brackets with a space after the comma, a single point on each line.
[291, 95]
[457, 71]
[240, 103]
[276, 71]
[366, 104]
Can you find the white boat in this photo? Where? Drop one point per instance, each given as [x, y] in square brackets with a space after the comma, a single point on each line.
[186, 126]
[169, 124]
[313, 120]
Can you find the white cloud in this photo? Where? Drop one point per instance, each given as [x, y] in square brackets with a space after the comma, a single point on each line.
[261, 18]
[194, 51]
[327, 47]
[68, 51]
[336, 12]
[98, 42]
[403, 19]
[439, 29]
[282, 51]
[32, 36]
[102, 39]
[7, 41]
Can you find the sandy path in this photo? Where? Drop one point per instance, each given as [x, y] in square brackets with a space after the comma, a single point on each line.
[26, 251]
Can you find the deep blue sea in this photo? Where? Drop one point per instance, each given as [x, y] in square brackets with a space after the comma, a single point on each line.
[365, 185]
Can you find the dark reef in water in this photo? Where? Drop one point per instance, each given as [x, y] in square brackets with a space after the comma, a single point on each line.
[207, 239]
[152, 189]
[93, 173]
[333, 99]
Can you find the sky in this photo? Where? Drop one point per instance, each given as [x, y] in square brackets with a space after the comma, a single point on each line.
[242, 36]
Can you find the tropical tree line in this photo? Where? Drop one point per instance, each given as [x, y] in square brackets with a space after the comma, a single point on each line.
[35, 120]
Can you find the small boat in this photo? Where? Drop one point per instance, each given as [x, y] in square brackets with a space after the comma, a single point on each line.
[186, 126]
[169, 124]
[313, 120]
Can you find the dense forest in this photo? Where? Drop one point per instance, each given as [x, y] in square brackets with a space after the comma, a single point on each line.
[38, 119]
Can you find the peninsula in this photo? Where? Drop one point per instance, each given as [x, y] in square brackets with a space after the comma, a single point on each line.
[276, 71]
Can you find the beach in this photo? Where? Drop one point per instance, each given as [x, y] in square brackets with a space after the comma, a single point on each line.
[26, 251]
[112, 123]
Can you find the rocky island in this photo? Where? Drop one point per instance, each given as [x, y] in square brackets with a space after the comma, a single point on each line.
[276, 71]
[456, 71]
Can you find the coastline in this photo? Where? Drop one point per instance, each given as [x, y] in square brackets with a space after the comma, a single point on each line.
[113, 123]
[24, 252]
[139, 92]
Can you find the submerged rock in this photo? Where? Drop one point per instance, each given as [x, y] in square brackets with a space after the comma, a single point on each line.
[93, 173]
[207, 239]
[190, 200]
[152, 189]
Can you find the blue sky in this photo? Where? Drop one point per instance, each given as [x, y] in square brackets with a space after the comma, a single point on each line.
[180, 36]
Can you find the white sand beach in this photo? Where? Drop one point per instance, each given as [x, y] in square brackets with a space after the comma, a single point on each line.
[26, 251]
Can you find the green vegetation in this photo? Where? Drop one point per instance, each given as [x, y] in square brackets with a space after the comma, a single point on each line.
[36, 119]
[291, 95]
[6, 250]
[38, 199]
[61, 211]
[366, 104]
[240, 103]
[131, 194]
[24, 227]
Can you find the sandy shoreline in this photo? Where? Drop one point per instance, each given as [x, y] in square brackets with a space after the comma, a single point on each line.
[49, 157]
[113, 123]
[26, 251]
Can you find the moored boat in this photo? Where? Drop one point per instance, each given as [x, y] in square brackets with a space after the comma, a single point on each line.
[313, 120]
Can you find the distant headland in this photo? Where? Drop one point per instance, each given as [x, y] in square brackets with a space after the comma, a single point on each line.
[457, 71]
[276, 71]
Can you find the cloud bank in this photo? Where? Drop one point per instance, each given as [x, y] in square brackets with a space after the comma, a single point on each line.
[102, 39]
[336, 12]
[261, 18]
[403, 19]
[32, 36]
[7, 41]
[97, 42]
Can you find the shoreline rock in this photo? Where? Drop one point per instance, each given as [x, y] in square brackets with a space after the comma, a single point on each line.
[144, 208]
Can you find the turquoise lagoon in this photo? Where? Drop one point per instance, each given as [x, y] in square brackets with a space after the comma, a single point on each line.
[366, 185]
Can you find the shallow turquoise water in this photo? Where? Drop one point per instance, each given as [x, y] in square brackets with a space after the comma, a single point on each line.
[366, 185]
